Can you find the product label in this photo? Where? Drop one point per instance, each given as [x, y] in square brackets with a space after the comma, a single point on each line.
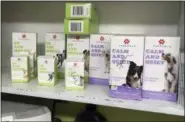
[80, 10]
[76, 26]
[74, 75]
[46, 70]
[100, 59]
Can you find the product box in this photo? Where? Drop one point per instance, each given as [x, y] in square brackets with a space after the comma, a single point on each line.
[25, 44]
[161, 61]
[74, 74]
[80, 11]
[78, 47]
[126, 67]
[55, 46]
[47, 70]
[20, 69]
[99, 59]
[81, 27]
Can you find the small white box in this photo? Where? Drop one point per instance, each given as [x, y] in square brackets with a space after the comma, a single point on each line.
[55, 46]
[47, 70]
[74, 74]
[78, 47]
[19, 69]
[126, 66]
[99, 59]
[161, 62]
[25, 44]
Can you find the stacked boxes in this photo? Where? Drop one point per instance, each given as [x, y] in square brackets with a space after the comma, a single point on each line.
[55, 46]
[81, 19]
[24, 44]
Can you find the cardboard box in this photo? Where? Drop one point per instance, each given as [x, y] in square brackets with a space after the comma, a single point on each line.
[99, 68]
[80, 11]
[161, 61]
[47, 70]
[74, 74]
[55, 46]
[126, 67]
[20, 69]
[25, 44]
[81, 27]
[78, 47]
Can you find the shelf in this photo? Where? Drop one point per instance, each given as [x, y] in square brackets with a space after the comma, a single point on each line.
[93, 94]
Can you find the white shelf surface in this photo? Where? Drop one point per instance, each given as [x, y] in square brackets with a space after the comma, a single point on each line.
[93, 94]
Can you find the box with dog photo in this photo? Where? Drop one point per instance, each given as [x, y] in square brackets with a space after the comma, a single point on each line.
[47, 70]
[161, 68]
[19, 69]
[126, 66]
[25, 44]
[99, 59]
[74, 74]
[78, 47]
[55, 46]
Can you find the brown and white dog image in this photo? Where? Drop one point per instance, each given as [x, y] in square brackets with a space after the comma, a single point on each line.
[86, 58]
[171, 71]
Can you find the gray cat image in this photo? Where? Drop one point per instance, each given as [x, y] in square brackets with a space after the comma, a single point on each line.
[50, 75]
[77, 81]
[107, 62]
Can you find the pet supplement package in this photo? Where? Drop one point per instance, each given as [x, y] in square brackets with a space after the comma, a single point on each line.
[81, 26]
[19, 69]
[47, 70]
[74, 74]
[78, 47]
[25, 44]
[99, 59]
[80, 11]
[55, 46]
[161, 60]
[126, 66]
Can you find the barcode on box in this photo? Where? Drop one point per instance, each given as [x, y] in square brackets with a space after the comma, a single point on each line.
[78, 11]
[76, 26]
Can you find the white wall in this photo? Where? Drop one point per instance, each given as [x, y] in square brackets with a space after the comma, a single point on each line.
[148, 18]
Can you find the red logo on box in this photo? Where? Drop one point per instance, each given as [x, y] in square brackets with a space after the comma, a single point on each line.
[102, 38]
[77, 37]
[161, 41]
[126, 41]
[54, 36]
[24, 36]
[75, 64]
[46, 61]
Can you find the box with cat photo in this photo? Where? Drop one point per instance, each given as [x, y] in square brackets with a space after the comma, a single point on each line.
[20, 69]
[25, 44]
[126, 67]
[74, 74]
[99, 59]
[161, 61]
[78, 47]
[47, 70]
[55, 46]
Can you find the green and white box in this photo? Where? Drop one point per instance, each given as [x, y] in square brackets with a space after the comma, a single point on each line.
[78, 47]
[25, 44]
[80, 11]
[55, 46]
[81, 27]
[19, 69]
[74, 74]
[47, 70]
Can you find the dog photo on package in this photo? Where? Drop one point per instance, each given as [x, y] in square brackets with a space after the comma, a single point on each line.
[161, 68]
[126, 67]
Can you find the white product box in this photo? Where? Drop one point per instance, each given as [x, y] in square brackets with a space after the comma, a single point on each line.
[74, 74]
[161, 62]
[78, 47]
[55, 46]
[99, 59]
[25, 44]
[19, 69]
[126, 66]
[47, 70]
